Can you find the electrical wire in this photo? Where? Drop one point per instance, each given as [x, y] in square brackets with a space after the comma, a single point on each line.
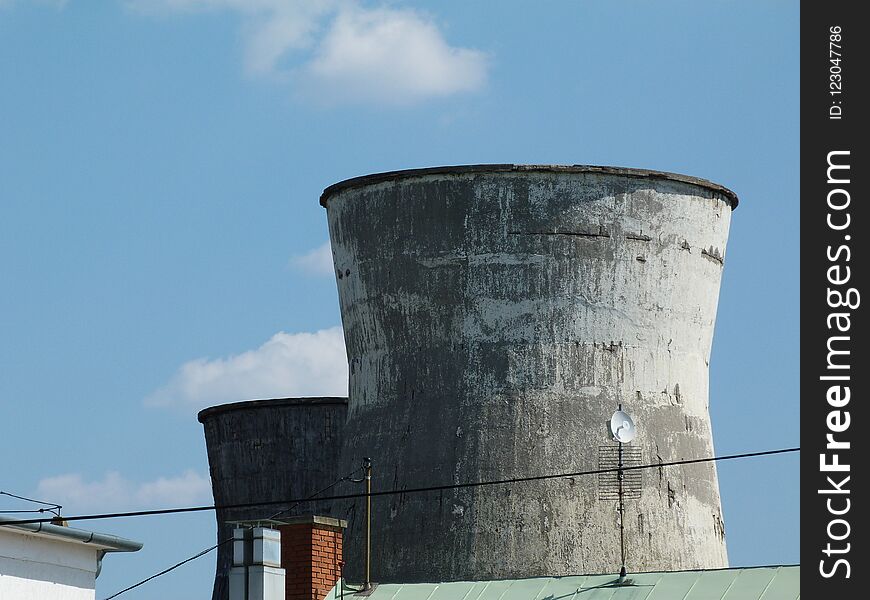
[222, 542]
[53, 508]
[433, 488]
[384, 493]
[317, 493]
[52, 504]
[167, 570]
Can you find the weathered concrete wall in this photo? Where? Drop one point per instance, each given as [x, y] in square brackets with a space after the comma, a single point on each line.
[270, 450]
[494, 317]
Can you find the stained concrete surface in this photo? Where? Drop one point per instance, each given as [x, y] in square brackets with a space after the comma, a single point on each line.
[267, 451]
[494, 319]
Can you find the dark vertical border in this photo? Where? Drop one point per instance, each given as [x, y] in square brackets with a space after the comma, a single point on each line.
[835, 368]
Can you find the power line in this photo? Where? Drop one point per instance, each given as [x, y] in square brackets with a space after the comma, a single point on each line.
[53, 508]
[10, 494]
[222, 542]
[317, 493]
[172, 568]
[434, 488]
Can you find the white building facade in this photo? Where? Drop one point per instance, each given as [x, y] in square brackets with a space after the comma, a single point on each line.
[50, 562]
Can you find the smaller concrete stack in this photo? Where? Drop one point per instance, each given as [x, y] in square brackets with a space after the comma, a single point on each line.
[269, 450]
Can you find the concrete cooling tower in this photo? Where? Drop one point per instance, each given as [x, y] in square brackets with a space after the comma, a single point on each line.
[495, 316]
[269, 450]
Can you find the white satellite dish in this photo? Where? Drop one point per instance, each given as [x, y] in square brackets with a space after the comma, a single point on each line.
[622, 427]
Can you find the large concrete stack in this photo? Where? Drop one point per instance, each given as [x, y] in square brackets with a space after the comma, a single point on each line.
[495, 316]
[267, 451]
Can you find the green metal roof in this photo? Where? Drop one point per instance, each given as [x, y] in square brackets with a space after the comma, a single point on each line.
[753, 583]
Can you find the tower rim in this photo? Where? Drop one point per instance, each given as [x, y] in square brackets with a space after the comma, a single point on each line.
[374, 178]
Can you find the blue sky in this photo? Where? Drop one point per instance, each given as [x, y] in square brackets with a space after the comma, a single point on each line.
[161, 241]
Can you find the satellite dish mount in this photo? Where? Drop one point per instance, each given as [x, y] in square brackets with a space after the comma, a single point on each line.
[623, 431]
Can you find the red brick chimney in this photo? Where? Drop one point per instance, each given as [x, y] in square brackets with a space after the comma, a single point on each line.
[311, 550]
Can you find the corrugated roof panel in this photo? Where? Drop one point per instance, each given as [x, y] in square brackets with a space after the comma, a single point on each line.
[385, 592]
[477, 591]
[605, 587]
[526, 589]
[494, 590]
[597, 587]
[711, 585]
[454, 591]
[786, 585]
[673, 586]
[750, 583]
[458, 590]
[756, 583]
[638, 586]
[560, 588]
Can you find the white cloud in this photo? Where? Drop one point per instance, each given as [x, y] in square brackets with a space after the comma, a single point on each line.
[316, 262]
[115, 493]
[390, 56]
[271, 37]
[297, 364]
[271, 27]
[337, 52]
